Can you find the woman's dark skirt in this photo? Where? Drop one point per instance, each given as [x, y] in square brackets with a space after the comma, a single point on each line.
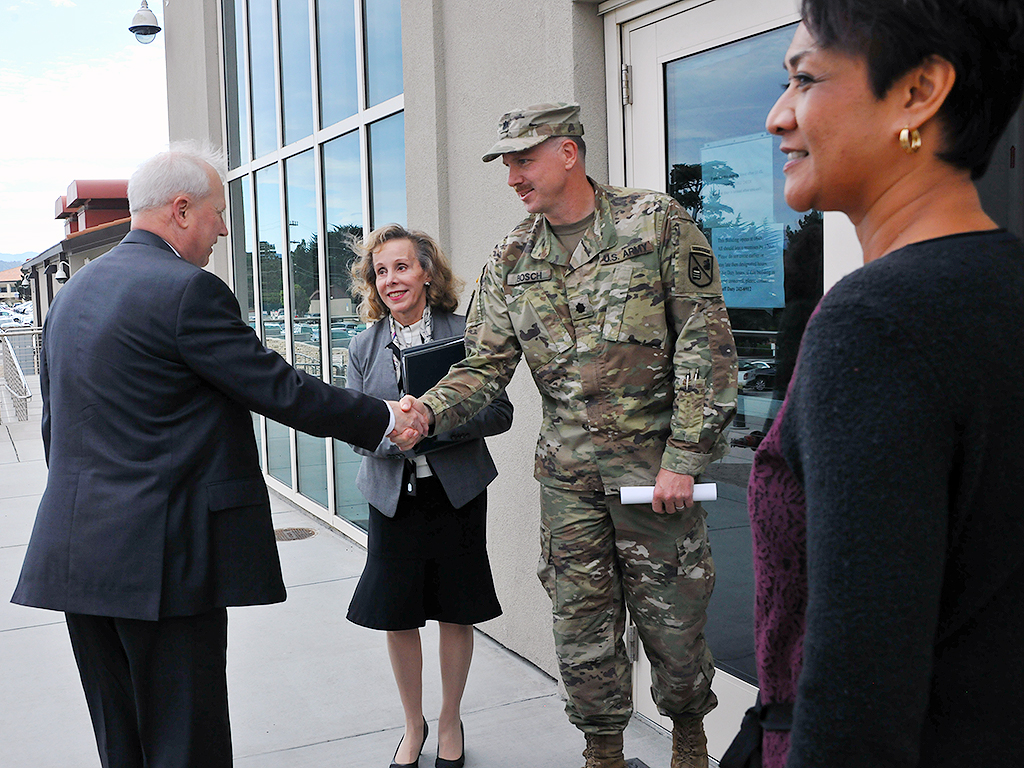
[429, 561]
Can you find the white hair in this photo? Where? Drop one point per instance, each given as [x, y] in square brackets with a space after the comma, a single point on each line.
[181, 170]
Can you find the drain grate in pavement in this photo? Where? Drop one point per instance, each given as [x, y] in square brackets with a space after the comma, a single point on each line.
[293, 534]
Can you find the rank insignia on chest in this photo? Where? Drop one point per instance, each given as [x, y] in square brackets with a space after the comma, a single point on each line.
[701, 269]
[580, 307]
[532, 276]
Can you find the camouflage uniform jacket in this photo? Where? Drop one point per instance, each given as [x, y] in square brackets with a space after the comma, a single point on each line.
[627, 338]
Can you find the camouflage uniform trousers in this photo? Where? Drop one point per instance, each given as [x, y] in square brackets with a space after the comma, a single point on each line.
[598, 557]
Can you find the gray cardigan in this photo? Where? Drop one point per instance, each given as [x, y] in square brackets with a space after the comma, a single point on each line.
[465, 468]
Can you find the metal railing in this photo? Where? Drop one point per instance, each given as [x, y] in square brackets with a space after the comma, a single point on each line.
[20, 350]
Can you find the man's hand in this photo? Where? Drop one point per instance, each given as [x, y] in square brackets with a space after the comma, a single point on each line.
[672, 492]
[411, 425]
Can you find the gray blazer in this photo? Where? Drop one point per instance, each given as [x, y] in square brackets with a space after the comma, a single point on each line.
[465, 468]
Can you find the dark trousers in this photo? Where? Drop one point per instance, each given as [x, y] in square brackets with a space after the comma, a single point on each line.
[157, 690]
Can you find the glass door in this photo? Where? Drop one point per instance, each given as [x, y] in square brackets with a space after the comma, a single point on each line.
[702, 79]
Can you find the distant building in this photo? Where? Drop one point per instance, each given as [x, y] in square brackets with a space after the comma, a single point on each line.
[10, 282]
[95, 215]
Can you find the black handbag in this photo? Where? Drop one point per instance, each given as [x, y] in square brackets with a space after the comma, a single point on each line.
[745, 750]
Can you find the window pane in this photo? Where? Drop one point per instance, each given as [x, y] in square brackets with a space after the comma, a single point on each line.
[338, 87]
[343, 203]
[241, 247]
[304, 266]
[296, 74]
[261, 72]
[383, 50]
[727, 172]
[387, 170]
[268, 222]
[268, 233]
[279, 455]
[234, 65]
[344, 208]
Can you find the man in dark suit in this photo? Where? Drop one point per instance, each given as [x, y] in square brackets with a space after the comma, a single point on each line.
[155, 516]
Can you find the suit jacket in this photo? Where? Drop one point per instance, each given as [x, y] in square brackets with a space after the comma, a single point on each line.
[155, 503]
[465, 468]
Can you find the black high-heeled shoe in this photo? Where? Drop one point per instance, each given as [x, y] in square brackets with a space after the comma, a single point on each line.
[415, 763]
[458, 762]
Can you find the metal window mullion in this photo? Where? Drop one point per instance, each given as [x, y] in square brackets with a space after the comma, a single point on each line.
[314, 64]
[326, 357]
[275, 24]
[286, 298]
[362, 95]
[257, 296]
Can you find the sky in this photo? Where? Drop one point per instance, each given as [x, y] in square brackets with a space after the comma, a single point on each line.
[80, 98]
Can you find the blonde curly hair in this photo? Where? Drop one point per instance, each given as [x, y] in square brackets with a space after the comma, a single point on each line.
[443, 290]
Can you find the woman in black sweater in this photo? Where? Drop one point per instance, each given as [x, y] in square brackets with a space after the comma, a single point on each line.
[887, 500]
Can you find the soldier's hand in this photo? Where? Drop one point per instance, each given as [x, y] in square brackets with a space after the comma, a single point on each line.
[410, 403]
[672, 492]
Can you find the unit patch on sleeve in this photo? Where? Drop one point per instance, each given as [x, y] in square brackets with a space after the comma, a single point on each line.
[702, 266]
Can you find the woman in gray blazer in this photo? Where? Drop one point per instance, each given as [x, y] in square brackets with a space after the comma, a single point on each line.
[426, 552]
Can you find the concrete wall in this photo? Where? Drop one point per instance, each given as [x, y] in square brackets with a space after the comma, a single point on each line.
[465, 64]
[195, 86]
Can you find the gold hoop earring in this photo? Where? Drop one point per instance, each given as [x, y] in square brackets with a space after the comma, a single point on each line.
[910, 140]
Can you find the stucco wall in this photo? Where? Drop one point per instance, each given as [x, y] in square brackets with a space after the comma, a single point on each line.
[466, 63]
[194, 90]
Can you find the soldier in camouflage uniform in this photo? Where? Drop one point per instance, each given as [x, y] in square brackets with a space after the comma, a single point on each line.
[613, 297]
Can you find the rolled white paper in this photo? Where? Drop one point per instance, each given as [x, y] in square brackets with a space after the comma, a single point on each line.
[644, 494]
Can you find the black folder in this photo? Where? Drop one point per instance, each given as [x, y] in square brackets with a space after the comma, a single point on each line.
[425, 365]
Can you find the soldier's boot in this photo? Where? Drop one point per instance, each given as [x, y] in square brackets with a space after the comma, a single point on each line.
[689, 744]
[604, 751]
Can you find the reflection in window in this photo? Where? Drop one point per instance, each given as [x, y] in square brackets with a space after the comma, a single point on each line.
[344, 209]
[261, 73]
[383, 50]
[387, 170]
[296, 75]
[268, 234]
[338, 86]
[727, 172]
[234, 74]
[241, 252]
[311, 452]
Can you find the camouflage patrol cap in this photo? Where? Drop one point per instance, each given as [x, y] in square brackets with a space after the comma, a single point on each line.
[524, 128]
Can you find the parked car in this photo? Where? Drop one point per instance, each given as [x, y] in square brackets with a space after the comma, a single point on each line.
[763, 379]
[749, 369]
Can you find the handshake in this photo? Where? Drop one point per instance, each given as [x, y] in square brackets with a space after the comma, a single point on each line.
[413, 421]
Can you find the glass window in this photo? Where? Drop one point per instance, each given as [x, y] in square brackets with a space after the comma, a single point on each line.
[268, 222]
[727, 172]
[296, 70]
[361, 182]
[387, 170]
[261, 74]
[383, 50]
[343, 203]
[234, 74]
[304, 268]
[268, 233]
[338, 79]
[241, 244]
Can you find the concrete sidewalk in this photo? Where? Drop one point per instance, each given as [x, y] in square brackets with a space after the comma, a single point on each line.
[307, 688]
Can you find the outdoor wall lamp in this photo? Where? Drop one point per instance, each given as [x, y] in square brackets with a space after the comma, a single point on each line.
[144, 24]
[61, 275]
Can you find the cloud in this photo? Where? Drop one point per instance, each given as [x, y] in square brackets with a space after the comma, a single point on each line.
[59, 3]
[95, 119]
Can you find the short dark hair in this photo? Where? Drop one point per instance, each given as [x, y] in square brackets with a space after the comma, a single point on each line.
[982, 39]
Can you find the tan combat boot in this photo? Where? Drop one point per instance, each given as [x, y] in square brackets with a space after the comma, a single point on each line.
[689, 745]
[604, 751]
